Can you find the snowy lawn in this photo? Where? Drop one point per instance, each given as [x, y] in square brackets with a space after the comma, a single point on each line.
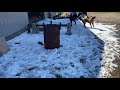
[86, 53]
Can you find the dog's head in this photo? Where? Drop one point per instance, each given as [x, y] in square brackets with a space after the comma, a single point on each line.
[94, 17]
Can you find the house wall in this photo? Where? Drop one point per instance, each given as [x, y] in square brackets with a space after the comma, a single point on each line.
[12, 22]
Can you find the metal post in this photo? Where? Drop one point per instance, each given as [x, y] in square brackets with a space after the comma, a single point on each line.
[51, 22]
[60, 26]
[46, 15]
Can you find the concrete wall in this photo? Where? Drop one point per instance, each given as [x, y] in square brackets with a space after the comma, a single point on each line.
[12, 22]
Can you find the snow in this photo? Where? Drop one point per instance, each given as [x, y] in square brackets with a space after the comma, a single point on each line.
[88, 52]
[58, 21]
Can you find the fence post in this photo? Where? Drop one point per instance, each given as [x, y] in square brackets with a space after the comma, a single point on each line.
[68, 29]
[60, 26]
[4, 47]
[51, 22]
[34, 28]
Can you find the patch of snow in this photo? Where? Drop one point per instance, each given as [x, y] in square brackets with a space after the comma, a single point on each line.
[58, 21]
[88, 52]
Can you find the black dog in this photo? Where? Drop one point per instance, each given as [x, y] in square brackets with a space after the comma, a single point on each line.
[76, 17]
[28, 28]
[73, 18]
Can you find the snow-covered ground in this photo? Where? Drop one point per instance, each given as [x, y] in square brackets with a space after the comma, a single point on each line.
[58, 21]
[86, 53]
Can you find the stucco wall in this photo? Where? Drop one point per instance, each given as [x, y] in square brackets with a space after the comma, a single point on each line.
[11, 22]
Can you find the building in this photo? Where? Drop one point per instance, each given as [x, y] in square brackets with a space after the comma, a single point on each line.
[12, 22]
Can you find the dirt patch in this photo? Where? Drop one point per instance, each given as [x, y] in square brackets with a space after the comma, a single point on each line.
[110, 18]
[106, 17]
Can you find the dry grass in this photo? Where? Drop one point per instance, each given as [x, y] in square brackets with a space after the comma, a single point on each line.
[106, 17]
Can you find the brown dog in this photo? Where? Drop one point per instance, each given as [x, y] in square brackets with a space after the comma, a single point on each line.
[89, 20]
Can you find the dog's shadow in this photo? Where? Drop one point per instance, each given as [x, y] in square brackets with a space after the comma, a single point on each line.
[88, 27]
[97, 28]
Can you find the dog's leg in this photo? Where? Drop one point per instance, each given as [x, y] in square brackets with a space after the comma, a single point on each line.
[75, 22]
[93, 24]
[71, 23]
[29, 31]
[84, 24]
